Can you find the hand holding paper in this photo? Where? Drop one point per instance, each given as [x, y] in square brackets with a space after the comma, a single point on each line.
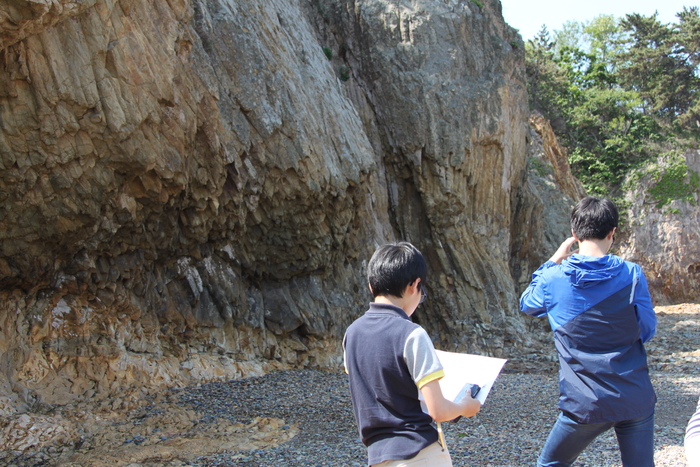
[463, 370]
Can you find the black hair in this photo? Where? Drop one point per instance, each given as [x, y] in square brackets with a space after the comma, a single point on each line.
[593, 218]
[394, 267]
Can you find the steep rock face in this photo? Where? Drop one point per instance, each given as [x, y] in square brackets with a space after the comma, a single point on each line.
[440, 88]
[540, 226]
[191, 189]
[662, 237]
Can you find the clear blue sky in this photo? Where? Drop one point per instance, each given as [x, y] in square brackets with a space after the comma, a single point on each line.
[529, 16]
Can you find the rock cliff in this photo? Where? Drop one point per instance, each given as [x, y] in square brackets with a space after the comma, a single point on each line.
[191, 189]
[664, 226]
[549, 192]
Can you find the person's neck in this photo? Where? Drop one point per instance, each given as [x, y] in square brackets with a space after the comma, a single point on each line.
[396, 301]
[593, 247]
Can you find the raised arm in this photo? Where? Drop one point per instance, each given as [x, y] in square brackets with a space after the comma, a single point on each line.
[533, 299]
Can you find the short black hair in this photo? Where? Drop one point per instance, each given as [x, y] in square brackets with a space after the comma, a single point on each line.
[394, 267]
[593, 218]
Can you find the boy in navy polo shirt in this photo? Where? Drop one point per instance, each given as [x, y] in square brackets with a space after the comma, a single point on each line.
[389, 360]
[601, 314]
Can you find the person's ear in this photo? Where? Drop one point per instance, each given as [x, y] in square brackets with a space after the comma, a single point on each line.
[574, 235]
[412, 288]
[611, 234]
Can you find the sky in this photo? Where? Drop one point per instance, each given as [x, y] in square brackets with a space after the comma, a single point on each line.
[529, 16]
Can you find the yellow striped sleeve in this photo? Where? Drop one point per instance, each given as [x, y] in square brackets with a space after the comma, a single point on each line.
[431, 377]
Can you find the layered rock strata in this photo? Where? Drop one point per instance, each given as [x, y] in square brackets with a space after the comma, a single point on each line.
[191, 189]
[542, 225]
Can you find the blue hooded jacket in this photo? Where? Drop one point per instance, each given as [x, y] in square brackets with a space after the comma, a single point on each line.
[601, 313]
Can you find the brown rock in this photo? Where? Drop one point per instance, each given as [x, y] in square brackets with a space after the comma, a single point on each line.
[182, 181]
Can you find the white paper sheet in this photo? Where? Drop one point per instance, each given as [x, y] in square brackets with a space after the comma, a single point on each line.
[462, 370]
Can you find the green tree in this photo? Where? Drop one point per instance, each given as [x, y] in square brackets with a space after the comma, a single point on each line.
[547, 82]
[609, 137]
[689, 48]
[570, 35]
[606, 39]
[597, 119]
[660, 64]
[618, 92]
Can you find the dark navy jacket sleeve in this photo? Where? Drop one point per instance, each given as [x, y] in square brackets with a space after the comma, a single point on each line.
[533, 300]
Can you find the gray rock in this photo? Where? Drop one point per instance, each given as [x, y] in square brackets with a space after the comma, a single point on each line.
[184, 180]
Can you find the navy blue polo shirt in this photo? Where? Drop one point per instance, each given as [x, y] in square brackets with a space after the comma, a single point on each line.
[388, 359]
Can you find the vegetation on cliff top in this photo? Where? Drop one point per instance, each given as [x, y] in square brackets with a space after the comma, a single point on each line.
[620, 93]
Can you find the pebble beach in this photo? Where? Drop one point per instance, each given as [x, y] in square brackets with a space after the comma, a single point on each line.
[509, 431]
[304, 417]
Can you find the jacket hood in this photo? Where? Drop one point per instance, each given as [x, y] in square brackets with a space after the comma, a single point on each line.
[586, 271]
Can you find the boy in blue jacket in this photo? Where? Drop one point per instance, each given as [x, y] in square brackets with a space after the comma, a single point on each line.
[601, 313]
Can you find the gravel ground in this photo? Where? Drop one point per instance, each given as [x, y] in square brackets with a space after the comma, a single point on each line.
[509, 431]
[304, 417]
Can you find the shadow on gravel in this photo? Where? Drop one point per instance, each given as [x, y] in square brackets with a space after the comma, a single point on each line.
[304, 417]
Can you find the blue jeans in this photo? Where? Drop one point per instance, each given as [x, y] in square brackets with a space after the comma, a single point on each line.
[569, 438]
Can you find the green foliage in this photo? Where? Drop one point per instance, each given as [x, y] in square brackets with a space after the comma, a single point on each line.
[547, 83]
[661, 64]
[616, 91]
[689, 46]
[344, 73]
[676, 181]
[570, 35]
[328, 52]
[605, 38]
[478, 3]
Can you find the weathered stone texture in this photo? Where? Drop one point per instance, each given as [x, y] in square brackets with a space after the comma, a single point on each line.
[549, 192]
[191, 189]
[663, 239]
[446, 83]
